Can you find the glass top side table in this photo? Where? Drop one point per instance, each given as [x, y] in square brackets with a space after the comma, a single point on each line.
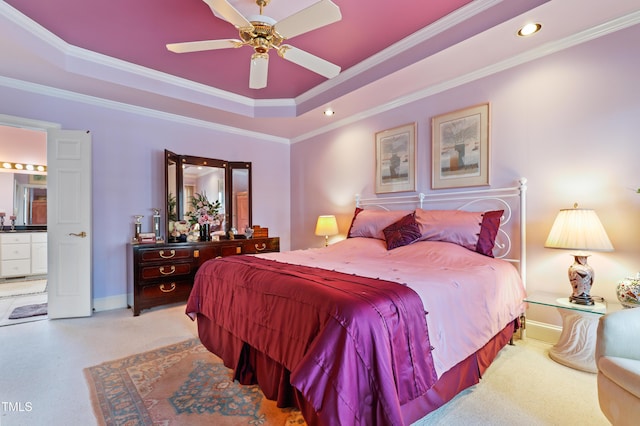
[577, 344]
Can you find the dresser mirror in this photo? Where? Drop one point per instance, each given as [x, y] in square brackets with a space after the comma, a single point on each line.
[229, 183]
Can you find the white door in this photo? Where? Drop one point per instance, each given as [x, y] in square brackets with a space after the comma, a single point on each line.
[69, 223]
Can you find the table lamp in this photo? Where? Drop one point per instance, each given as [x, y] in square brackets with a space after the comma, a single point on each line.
[326, 225]
[579, 230]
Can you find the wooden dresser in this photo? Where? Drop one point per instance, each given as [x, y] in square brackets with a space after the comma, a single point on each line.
[159, 274]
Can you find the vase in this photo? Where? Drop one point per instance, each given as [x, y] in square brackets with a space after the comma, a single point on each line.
[628, 291]
[204, 232]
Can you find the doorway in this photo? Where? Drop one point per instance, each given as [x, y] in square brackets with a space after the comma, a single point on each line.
[23, 271]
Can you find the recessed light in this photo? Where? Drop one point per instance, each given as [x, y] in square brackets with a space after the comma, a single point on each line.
[529, 29]
[329, 112]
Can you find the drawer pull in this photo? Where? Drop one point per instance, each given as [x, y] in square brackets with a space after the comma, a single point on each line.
[172, 253]
[167, 290]
[260, 247]
[173, 269]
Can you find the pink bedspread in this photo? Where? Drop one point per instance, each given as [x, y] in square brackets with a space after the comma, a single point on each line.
[469, 297]
[358, 349]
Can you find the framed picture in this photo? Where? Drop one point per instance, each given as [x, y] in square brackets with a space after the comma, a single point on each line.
[38, 179]
[396, 159]
[460, 148]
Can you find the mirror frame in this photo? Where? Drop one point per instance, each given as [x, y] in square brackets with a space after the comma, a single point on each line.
[238, 165]
[179, 160]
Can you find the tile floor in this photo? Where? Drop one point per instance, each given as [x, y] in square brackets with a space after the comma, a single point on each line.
[22, 294]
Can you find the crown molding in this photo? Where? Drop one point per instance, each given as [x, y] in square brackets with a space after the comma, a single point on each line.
[537, 53]
[133, 109]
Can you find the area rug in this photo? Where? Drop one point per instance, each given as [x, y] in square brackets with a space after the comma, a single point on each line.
[181, 384]
[29, 311]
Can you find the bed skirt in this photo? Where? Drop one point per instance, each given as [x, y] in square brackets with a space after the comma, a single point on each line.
[253, 367]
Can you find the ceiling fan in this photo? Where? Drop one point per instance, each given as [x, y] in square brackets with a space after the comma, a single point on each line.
[264, 33]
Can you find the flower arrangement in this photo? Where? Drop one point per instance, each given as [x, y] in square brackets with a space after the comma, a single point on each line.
[204, 211]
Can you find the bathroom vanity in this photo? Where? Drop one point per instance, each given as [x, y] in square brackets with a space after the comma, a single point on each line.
[23, 254]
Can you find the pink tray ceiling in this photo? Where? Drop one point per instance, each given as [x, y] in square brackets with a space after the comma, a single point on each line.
[137, 31]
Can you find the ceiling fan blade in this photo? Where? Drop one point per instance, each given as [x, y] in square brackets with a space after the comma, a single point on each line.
[197, 46]
[309, 61]
[228, 12]
[259, 71]
[315, 16]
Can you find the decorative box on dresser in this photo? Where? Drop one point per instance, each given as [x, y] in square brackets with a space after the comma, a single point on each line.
[160, 274]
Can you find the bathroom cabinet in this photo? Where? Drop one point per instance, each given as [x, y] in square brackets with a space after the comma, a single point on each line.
[23, 254]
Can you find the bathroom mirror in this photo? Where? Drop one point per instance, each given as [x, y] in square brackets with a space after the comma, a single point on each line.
[29, 200]
[227, 182]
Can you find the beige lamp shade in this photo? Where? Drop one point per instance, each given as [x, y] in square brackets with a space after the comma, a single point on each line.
[578, 229]
[326, 225]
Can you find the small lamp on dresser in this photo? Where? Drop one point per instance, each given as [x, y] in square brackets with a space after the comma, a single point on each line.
[327, 226]
[579, 230]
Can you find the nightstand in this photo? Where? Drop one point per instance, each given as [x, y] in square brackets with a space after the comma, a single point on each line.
[576, 347]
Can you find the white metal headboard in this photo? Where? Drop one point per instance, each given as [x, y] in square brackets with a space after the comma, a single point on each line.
[475, 200]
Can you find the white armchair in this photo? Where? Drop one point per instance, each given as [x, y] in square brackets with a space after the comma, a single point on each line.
[618, 361]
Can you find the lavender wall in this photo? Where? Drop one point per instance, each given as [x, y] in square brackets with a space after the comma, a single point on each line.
[128, 173]
[570, 123]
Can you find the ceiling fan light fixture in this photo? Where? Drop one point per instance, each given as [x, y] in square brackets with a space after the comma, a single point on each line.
[259, 70]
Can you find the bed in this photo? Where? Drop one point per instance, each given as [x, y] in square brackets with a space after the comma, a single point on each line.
[382, 327]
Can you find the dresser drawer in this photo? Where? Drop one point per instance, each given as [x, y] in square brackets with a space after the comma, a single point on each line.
[169, 291]
[155, 255]
[15, 238]
[165, 270]
[261, 245]
[15, 251]
[12, 268]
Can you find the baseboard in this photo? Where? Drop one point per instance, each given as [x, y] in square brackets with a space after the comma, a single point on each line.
[541, 331]
[109, 303]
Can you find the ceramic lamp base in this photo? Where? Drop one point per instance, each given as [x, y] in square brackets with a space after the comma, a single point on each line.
[581, 278]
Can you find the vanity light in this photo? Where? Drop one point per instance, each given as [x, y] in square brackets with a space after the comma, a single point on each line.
[19, 166]
[529, 29]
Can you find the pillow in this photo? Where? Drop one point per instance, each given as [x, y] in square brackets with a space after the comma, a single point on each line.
[403, 232]
[358, 210]
[475, 231]
[370, 223]
[488, 232]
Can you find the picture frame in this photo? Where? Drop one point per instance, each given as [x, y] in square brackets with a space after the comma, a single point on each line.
[396, 159]
[460, 148]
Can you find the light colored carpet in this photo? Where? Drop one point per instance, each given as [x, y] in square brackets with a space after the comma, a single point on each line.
[522, 387]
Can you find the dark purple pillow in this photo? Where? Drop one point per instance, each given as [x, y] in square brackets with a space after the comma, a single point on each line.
[404, 231]
[488, 232]
[358, 210]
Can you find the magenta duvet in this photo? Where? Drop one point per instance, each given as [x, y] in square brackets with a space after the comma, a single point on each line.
[357, 348]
